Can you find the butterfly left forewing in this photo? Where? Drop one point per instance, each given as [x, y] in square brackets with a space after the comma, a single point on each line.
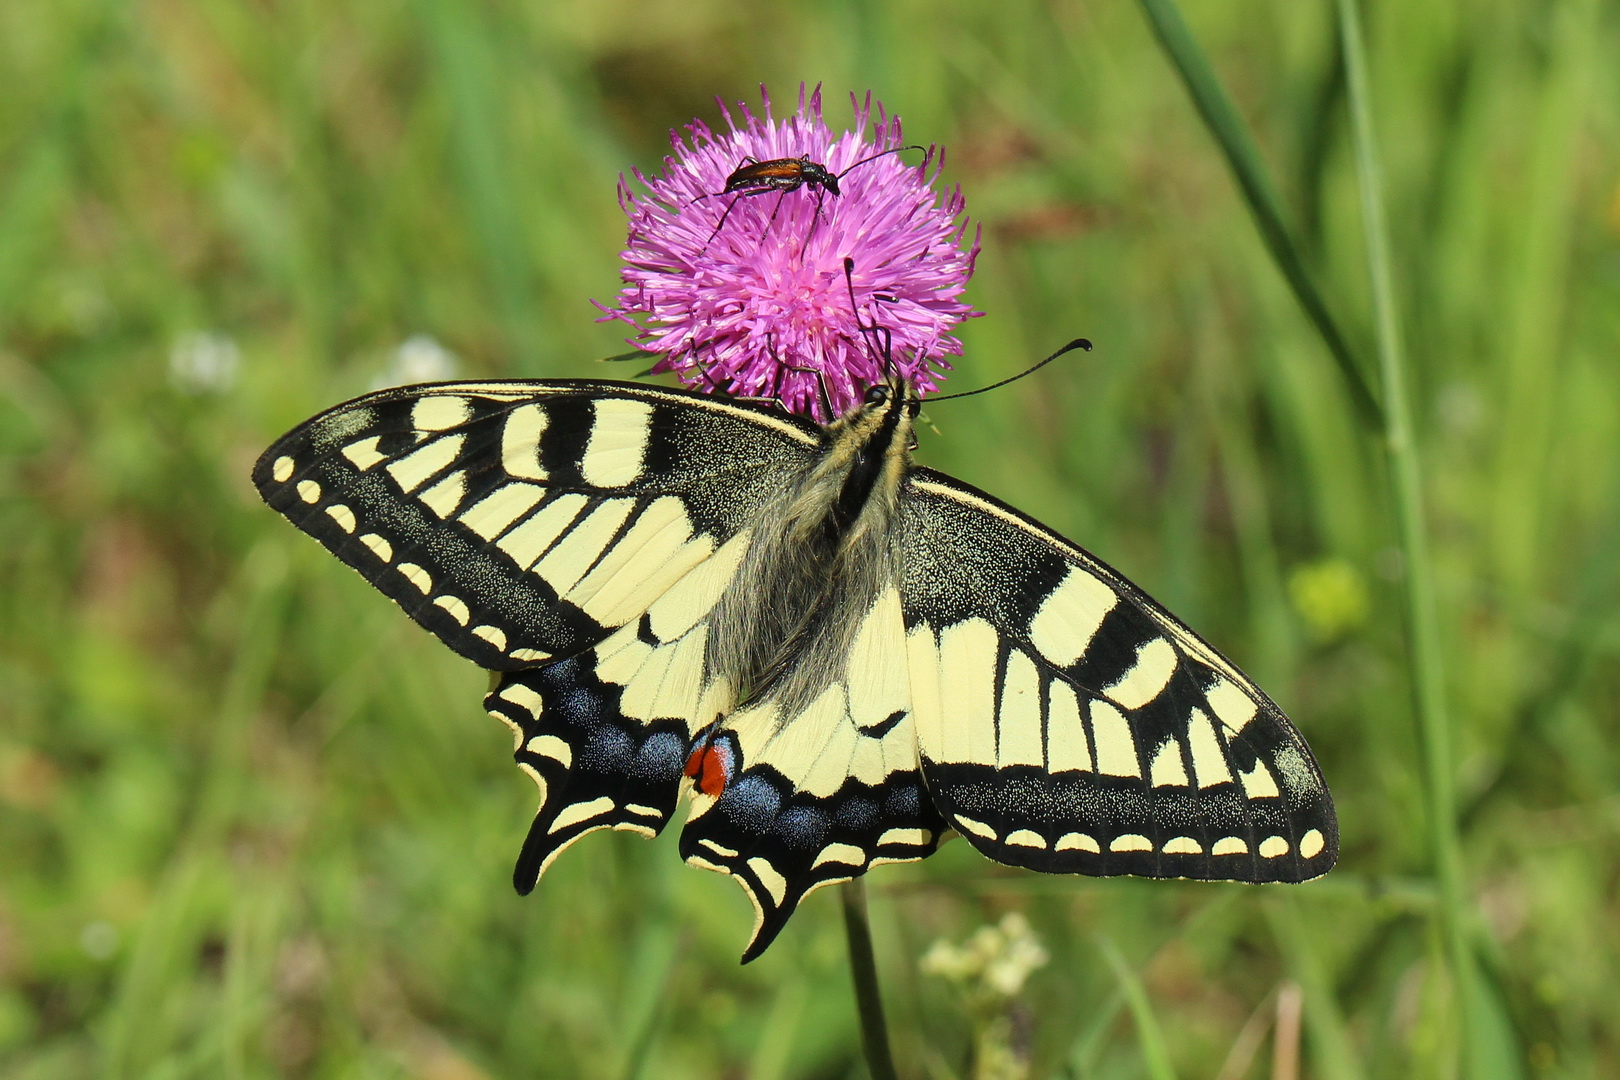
[520, 521]
[1069, 724]
[786, 804]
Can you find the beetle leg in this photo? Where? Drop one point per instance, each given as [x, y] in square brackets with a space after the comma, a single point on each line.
[740, 196]
[722, 223]
[774, 211]
[815, 219]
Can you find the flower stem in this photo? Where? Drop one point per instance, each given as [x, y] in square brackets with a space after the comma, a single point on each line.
[863, 970]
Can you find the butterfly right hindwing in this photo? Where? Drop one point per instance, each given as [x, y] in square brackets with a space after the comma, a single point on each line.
[1069, 724]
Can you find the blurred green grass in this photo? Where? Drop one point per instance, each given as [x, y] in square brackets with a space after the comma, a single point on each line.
[252, 823]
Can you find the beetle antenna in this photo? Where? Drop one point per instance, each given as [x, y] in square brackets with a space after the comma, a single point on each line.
[815, 219]
[881, 153]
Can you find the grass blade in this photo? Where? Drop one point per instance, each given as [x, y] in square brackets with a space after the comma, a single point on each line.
[1232, 135]
[1333, 1052]
[1149, 1036]
[1401, 450]
[468, 63]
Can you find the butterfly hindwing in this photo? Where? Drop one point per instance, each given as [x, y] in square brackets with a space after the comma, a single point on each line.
[1069, 724]
[606, 734]
[787, 804]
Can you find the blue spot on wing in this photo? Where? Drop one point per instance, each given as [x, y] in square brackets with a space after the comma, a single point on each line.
[751, 802]
[662, 755]
[856, 813]
[801, 827]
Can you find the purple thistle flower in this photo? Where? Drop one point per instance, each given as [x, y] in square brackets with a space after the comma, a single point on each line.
[760, 307]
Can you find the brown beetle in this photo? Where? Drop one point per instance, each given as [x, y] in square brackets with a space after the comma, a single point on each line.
[783, 175]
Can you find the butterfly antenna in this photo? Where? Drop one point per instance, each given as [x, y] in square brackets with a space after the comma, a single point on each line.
[886, 352]
[1077, 343]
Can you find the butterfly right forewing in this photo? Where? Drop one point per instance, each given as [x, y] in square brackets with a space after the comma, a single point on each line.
[1069, 724]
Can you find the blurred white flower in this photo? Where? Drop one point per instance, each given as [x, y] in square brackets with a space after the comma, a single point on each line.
[99, 939]
[204, 362]
[419, 358]
[988, 970]
[994, 962]
[1018, 955]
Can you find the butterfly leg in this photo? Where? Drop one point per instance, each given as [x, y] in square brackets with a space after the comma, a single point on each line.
[885, 354]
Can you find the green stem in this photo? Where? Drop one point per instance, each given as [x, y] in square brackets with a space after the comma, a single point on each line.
[1149, 1035]
[1389, 413]
[1232, 136]
[1400, 447]
[863, 970]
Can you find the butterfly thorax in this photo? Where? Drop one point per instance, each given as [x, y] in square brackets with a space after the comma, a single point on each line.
[820, 556]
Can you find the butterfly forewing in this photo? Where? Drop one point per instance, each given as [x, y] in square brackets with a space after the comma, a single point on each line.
[1069, 724]
[521, 521]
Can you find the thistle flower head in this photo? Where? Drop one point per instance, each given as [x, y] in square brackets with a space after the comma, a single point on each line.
[759, 306]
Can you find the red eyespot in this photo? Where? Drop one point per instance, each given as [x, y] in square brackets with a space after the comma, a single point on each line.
[710, 768]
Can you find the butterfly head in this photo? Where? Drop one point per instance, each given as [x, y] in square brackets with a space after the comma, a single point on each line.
[883, 423]
[894, 396]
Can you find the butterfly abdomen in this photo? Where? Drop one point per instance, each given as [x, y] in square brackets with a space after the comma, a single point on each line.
[819, 559]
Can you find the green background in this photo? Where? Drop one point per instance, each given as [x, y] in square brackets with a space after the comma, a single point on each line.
[253, 823]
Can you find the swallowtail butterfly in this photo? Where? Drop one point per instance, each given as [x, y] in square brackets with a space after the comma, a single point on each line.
[838, 654]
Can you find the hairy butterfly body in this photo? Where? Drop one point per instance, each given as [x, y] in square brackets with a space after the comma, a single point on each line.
[840, 655]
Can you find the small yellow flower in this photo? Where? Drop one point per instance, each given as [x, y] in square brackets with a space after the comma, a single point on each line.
[1331, 596]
